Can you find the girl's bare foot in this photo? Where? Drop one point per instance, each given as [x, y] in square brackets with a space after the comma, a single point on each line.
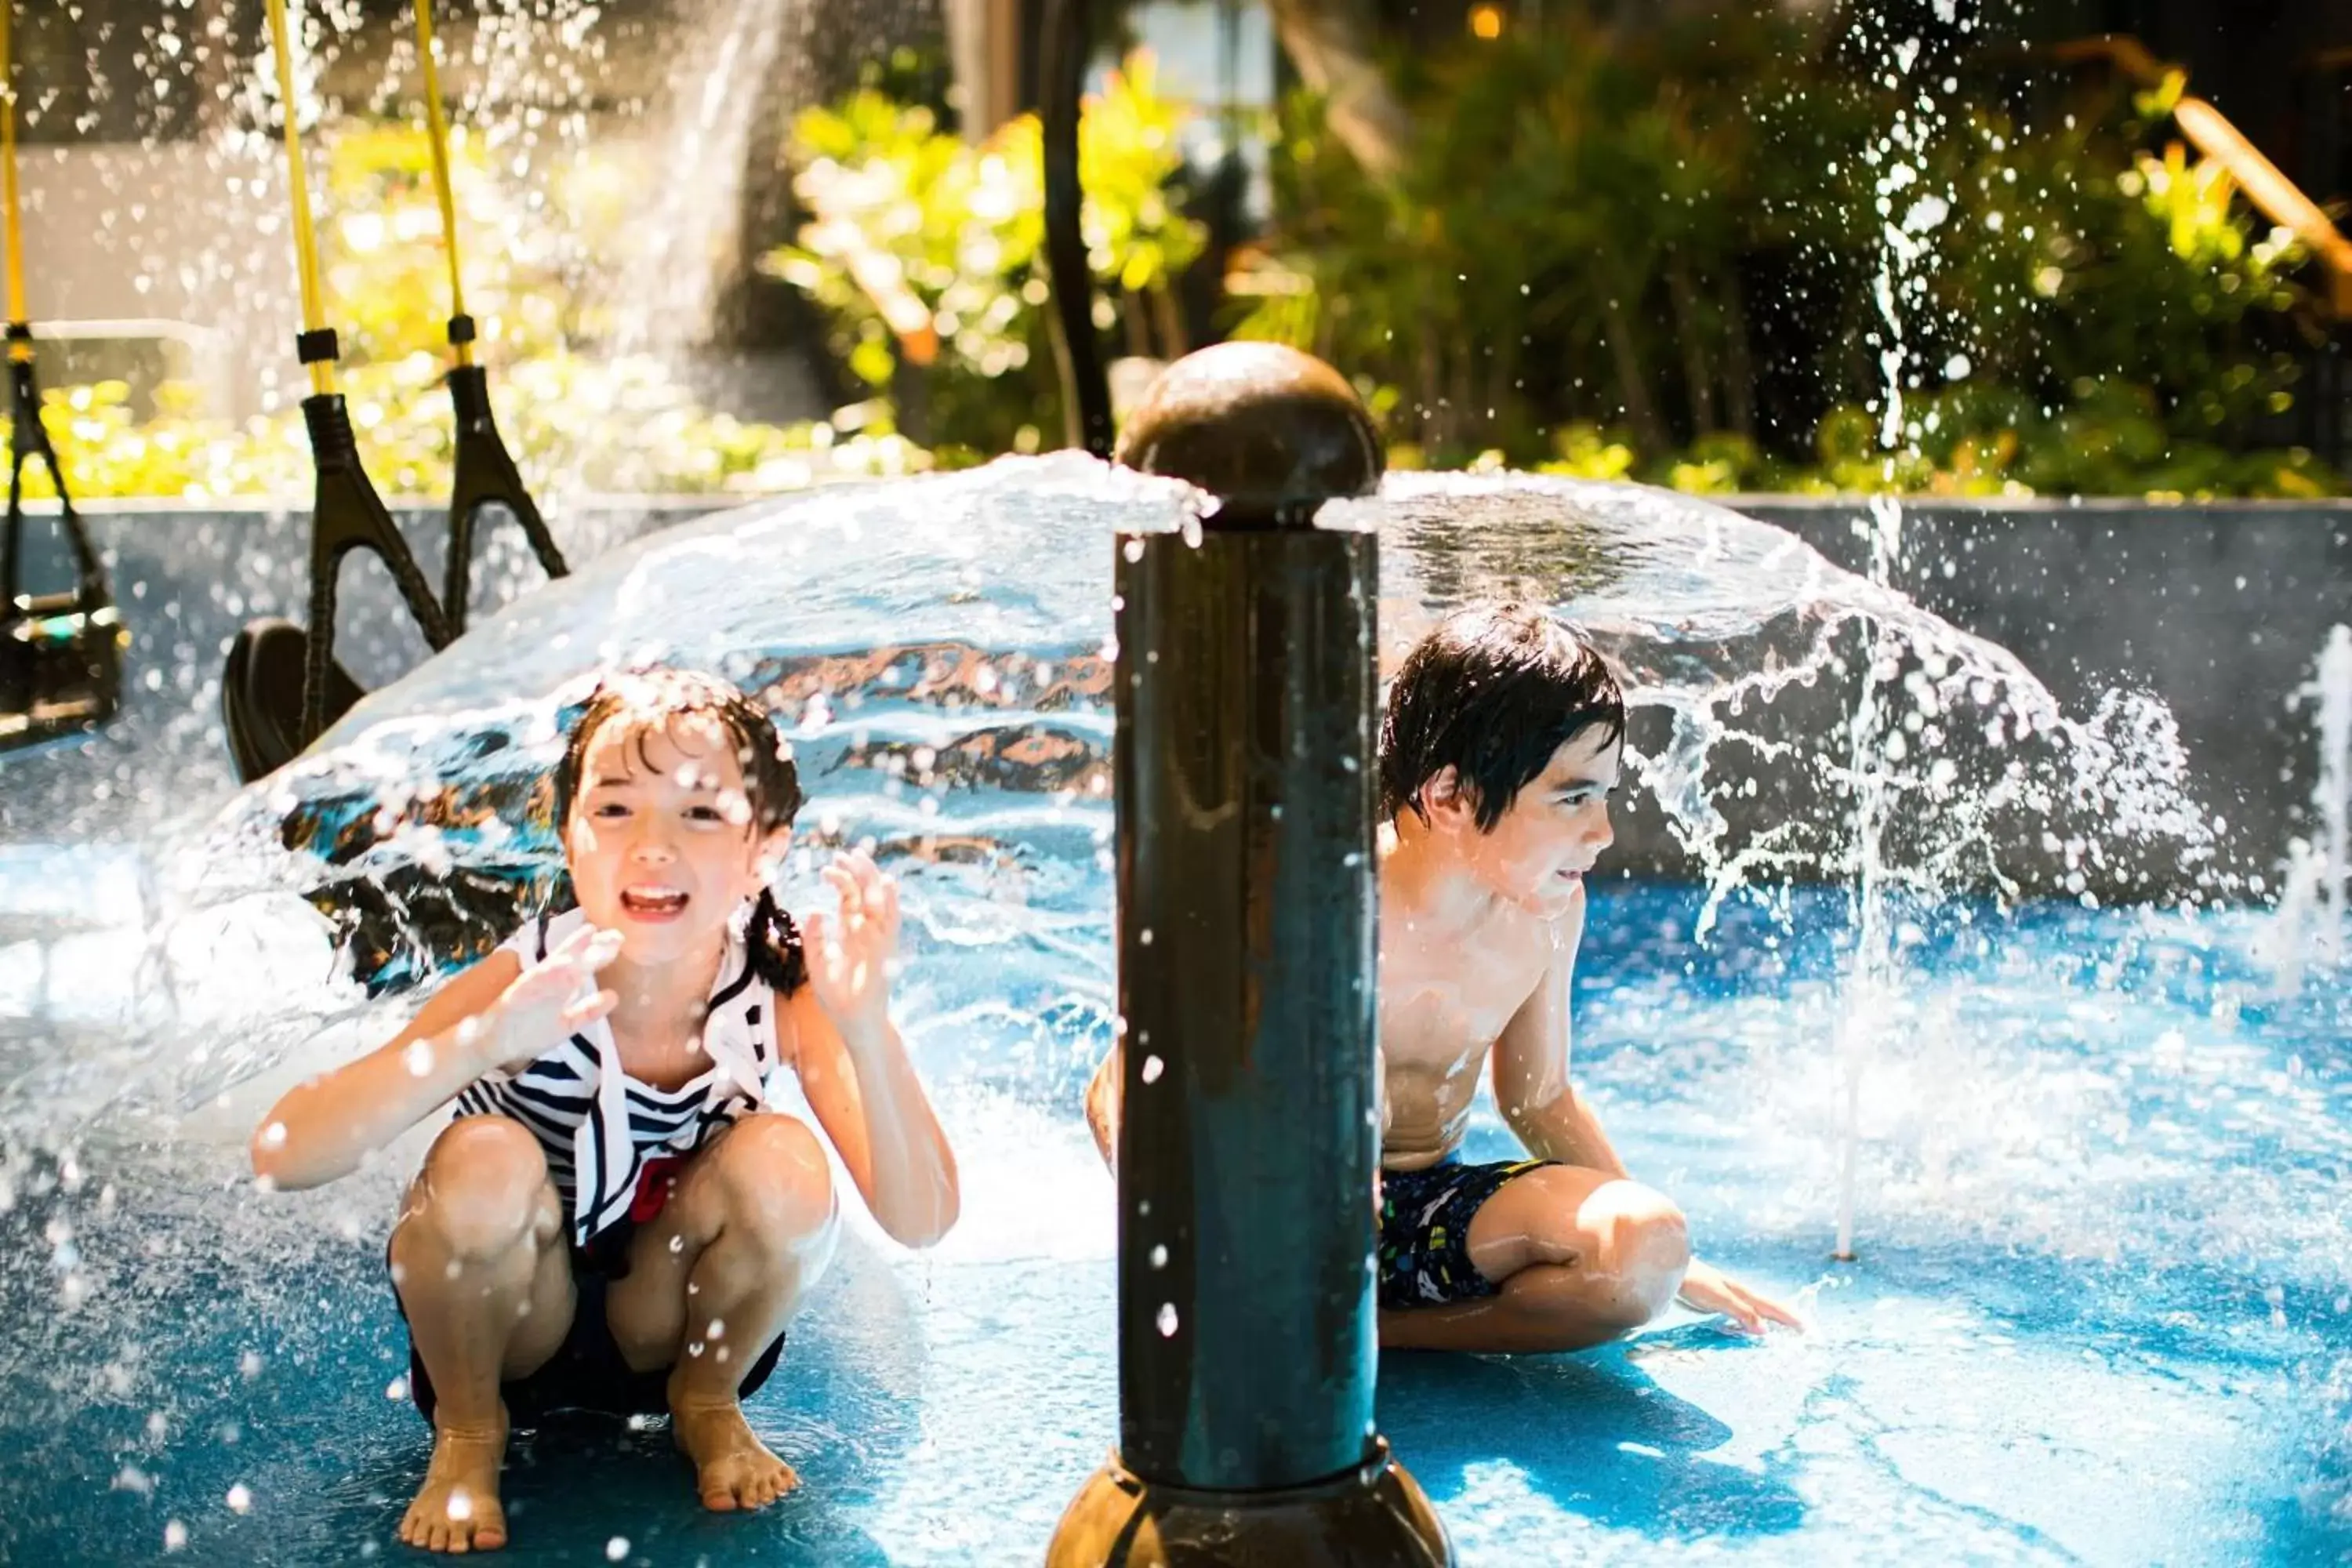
[732, 1468]
[457, 1508]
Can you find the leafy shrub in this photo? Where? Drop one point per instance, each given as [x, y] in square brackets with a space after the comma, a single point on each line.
[927, 253]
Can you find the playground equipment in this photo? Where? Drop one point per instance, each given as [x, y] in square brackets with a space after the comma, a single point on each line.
[62, 653]
[282, 687]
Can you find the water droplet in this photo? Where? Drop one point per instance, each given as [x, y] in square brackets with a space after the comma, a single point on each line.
[1167, 1320]
[396, 1389]
[175, 1535]
[419, 1057]
[1153, 1067]
[461, 1503]
[1159, 1257]
[249, 1364]
[616, 1549]
[241, 1501]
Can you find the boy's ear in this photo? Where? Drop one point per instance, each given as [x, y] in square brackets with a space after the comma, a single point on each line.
[1445, 800]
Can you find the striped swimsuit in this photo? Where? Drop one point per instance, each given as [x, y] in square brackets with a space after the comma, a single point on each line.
[600, 1129]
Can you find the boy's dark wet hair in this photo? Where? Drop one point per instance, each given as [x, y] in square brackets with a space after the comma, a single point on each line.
[650, 699]
[1493, 692]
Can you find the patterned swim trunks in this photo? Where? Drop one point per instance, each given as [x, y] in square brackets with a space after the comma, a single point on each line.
[1425, 1230]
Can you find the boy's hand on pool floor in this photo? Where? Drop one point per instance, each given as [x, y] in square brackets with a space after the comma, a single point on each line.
[550, 999]
[1706, 1289]
[849, 955]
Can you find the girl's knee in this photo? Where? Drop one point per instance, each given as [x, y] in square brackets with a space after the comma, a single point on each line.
[774, 1181]
[484, 1190]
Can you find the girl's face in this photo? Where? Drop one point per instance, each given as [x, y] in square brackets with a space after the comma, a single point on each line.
[661, 842]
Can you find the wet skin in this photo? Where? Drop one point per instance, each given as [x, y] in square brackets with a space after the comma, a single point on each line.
[1479, 930]
[663, 851]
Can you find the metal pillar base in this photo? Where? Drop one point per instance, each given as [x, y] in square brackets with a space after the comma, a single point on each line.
[1370, 1516]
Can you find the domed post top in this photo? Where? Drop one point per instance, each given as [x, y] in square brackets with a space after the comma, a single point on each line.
[1272, 432]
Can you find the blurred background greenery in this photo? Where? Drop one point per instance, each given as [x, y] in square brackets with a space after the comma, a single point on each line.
[1686, 253]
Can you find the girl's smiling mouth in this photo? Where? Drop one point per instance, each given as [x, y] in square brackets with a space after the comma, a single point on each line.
[652, 901]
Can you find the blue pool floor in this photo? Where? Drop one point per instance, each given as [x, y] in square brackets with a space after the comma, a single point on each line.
[2101, 1313]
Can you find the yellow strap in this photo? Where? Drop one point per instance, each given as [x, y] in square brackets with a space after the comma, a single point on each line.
[306, 242]
[436, 131]
[15, 238]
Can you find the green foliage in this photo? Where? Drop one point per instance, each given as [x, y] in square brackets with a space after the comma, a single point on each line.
[1594, 224]
[614, 427]
[927, 253]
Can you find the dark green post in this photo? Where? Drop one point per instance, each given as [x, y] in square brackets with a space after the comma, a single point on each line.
[1247, 943]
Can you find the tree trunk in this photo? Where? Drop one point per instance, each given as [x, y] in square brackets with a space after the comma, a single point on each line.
[1632, 385]
[1696, 373]
[1172, 323]
[1739, 358]
[1138, 327]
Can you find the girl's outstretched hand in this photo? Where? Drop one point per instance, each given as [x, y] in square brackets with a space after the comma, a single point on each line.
[551, 999]
[849, 955]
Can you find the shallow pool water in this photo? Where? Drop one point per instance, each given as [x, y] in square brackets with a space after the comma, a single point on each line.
[2102, 1310]
[2101, 1313]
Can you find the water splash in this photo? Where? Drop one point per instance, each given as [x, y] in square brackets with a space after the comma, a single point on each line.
[686, 240]
[2309, 924]
[936, 649]
[1909, 213]
[2331, 795]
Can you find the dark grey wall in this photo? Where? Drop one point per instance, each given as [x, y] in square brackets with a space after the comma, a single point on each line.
[2220, 609]
[186, 579]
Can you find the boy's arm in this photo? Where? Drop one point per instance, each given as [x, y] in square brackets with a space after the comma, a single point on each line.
[322, 1128]
[1530, 1065]
[1102, 1105]
[1533, 1090]
[854, 1067]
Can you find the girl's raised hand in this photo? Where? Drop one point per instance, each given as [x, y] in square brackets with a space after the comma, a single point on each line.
[551, 999]
[849, 955]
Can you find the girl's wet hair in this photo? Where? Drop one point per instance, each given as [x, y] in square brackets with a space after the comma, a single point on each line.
[1493, 694]
[648, 700]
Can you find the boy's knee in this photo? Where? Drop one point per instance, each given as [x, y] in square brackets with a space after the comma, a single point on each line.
[775, 1181]
[485, 1189]
[1647, 1243]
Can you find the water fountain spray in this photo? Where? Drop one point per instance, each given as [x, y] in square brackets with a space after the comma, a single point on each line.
[2332, 795]
[1910, 213]
[60, 654]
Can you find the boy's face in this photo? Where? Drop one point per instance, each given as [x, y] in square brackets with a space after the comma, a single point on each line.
[661, 842]
[1537, 855]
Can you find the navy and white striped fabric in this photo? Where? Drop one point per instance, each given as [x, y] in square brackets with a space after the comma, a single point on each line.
[599, 1127]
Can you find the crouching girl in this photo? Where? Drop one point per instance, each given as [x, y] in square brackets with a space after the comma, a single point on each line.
[615, 1221]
